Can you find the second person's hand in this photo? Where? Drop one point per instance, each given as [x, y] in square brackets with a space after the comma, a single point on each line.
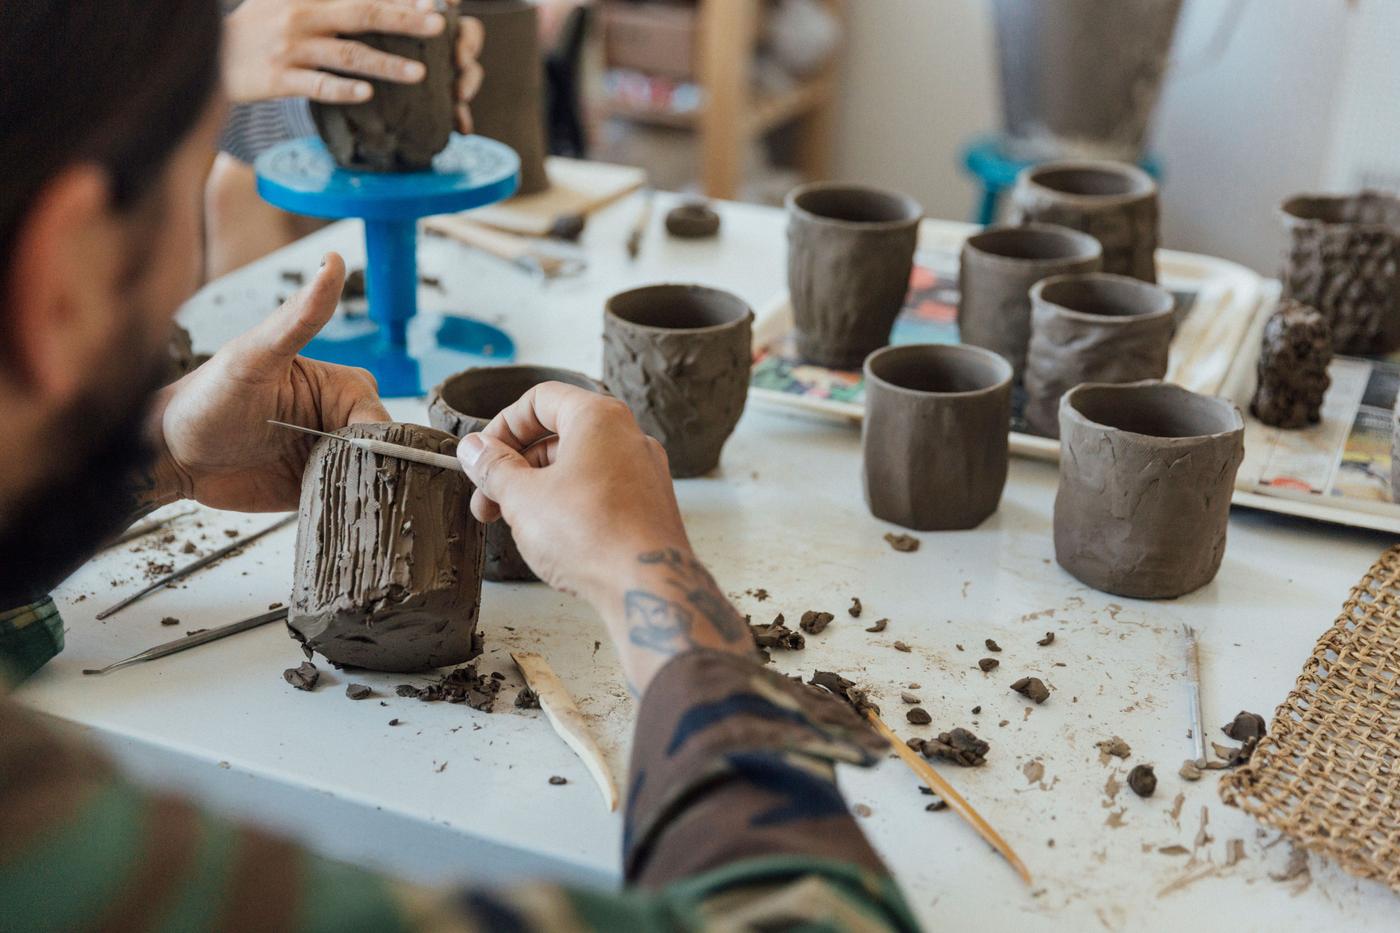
[297, 48]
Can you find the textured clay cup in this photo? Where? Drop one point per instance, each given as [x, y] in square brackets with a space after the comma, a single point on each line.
[1344, 260]
[1114, 202]
[466, 403]
[679, 356]
[998, 268]
[850, 254]
[1146, 473]
[936, 433]
[1092, 328]
[387, 573]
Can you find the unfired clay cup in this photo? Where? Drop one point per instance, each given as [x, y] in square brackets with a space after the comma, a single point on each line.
[1343, 259]
[935, 437]
[850, 255]
[998, 268]
[1114, 202]
[466, 403]
[1092, 328]
[1146, 474]
[679, 356]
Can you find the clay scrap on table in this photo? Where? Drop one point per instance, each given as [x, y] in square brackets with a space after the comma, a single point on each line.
[904, 543]
[387, 574]
[1114, 747]
[1032, 688]
[303, 677]
[402, 126]
[844, 689]
[775, 636]
[813, 622]
[959, 746]
[1293, 361]
[1245, 727]
[463, 685]
[1142, 780]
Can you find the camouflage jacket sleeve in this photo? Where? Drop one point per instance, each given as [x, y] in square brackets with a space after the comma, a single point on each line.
[734, 821]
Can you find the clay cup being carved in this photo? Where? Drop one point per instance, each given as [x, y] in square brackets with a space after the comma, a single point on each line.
[1092, 328]
[679, 356]
[387, 574]
[466, 403]
[1146, 474]
[1114, 202]
[850, 255]
[1344, 260]
[935, 438]
[402, 126]
[998, 268]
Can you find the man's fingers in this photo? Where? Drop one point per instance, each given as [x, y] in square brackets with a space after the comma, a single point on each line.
[268, 348]
[471, 36]
[356, 58]
[483, 508]
[542, 411]
[352, 16]
[494, 467]
[469, 81]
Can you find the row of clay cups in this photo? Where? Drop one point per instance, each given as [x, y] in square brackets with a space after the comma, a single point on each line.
[851, 251]
[1146, 468]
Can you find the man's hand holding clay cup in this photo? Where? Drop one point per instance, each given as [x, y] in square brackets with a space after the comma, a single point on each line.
[590, 500]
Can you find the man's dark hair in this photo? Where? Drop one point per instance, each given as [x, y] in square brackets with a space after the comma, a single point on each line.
[119, 83]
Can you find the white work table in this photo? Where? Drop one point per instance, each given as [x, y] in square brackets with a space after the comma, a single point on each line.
[784, 512]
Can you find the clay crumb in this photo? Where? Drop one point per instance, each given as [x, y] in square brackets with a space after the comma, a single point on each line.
[879, 625]
[358, 692]
[1245, 727]
[843, 689]
[1190, 771]
[189, 548]
[958, 746]
[861, 810]
[293, 276]
[1114, 747]
[916, 686]
[855, 608]
[776, 635]
[976, 710]
[1143, 780]
[813, 622]
[759, 594]
[1032, 689]
[908, 697]
[461, 685]
[1174, 850]
[1048, 639]
[992, 645]
[903, 543]
[303, 677]
[901, 646]
[558, 780]
[1034, 770]
[440, 768]
[988, 664]
[230, 532]
[527, 699]
[170, 620]
[936, 806]
[918, 716]
[272, 606]
[1234, 852]
[396, 722]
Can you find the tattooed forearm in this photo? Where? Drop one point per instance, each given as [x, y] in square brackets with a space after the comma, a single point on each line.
[682, 608]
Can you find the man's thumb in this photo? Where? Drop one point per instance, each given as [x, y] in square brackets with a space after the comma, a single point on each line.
[494, 466]
[283, 333]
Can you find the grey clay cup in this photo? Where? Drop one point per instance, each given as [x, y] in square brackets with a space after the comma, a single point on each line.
[850, 255]
[1343, 259]
[996, 272]
[466, 403]
[1114, 202]
[679, 356]
[1146, 474]
[936, 434]
[1092, 328]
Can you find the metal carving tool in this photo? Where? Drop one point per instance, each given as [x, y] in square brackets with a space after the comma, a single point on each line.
[940, 786]
[567, 721]
[193, 641]
[190, 568]
[384, 448]
[1193, 690]
[142, 529]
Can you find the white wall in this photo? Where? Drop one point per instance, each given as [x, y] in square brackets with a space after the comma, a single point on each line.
[1234, 135]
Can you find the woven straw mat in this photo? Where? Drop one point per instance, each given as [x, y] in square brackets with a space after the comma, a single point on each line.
[1328, 772]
